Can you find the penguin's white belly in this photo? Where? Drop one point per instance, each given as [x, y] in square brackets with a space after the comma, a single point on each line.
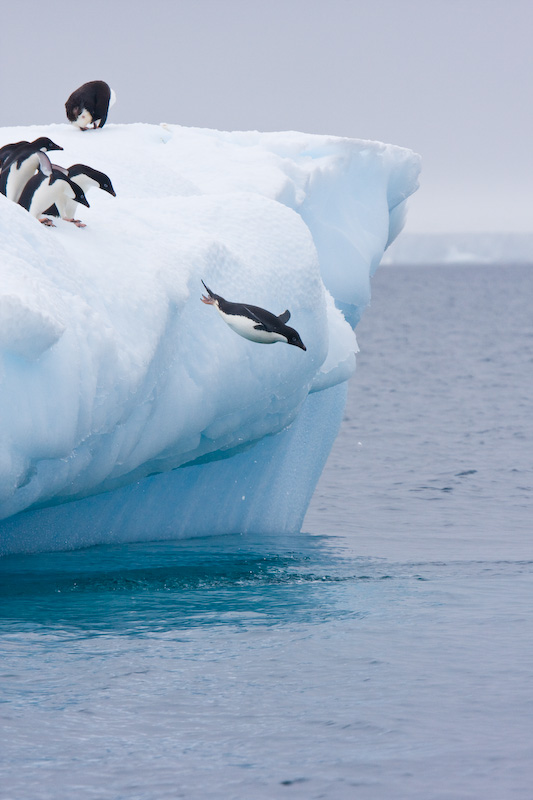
[66, 207]
[18, 178]
[84, 182]
[246, 327]
[46, 195]
[84, 119]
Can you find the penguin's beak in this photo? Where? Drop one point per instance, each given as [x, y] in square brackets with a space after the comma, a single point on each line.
[296, 342]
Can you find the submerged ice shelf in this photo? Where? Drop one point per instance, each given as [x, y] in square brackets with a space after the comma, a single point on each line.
[128, 409]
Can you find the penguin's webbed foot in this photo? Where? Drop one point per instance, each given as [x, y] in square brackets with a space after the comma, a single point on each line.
[77, 222]
[210, 299]
[47, 222]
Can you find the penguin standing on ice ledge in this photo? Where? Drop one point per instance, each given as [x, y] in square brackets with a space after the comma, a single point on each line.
[42, 143]
[89, 105]
[47, 188]
[86, 177]
[21, 162]
[254, 323]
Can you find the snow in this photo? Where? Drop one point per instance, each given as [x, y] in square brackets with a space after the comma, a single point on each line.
[116, 378]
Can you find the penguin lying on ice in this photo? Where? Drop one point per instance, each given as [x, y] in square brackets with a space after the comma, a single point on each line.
[90, 104]
[43, 190]
[86, 178]
[254, 323]
[21, 163]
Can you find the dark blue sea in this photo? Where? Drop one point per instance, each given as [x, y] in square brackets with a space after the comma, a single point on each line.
[385, 653]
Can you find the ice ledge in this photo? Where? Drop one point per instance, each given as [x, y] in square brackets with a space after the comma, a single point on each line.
[111, 368]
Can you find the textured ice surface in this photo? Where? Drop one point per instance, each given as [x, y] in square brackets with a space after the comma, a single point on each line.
[114, 374]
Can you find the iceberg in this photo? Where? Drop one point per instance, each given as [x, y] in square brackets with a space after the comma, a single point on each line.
[129, 411]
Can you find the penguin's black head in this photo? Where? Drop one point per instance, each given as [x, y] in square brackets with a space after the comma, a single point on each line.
[293, 337]
[44, 143]
[73, 112]
[103, 180]
[107, 186]
[79, 194]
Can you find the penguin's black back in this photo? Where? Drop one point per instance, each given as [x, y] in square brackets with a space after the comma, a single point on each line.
[94, 96]
[245, 310]
[3, 181]
[29, 190]
[7, 149]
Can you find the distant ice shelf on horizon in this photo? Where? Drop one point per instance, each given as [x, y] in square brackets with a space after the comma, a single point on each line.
[129, 410]
[461, 248]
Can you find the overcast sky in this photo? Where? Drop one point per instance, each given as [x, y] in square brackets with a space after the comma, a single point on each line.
[450, 79]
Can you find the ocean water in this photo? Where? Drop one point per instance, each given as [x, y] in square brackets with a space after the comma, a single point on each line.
[384, 653]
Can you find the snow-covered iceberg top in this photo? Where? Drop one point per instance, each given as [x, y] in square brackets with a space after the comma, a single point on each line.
[111, 368]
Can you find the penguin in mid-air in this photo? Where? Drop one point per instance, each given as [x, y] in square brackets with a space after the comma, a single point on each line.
[89, 105]
[43, 191]
[86, 178]
[21, 163]
[254, 323]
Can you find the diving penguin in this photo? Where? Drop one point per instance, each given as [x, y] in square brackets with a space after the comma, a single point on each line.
[86, 178]
[21, 163]
[89, 105]
[254, 323]
[42, 191]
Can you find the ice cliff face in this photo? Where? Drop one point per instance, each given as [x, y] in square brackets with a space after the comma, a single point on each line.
[114, 374]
